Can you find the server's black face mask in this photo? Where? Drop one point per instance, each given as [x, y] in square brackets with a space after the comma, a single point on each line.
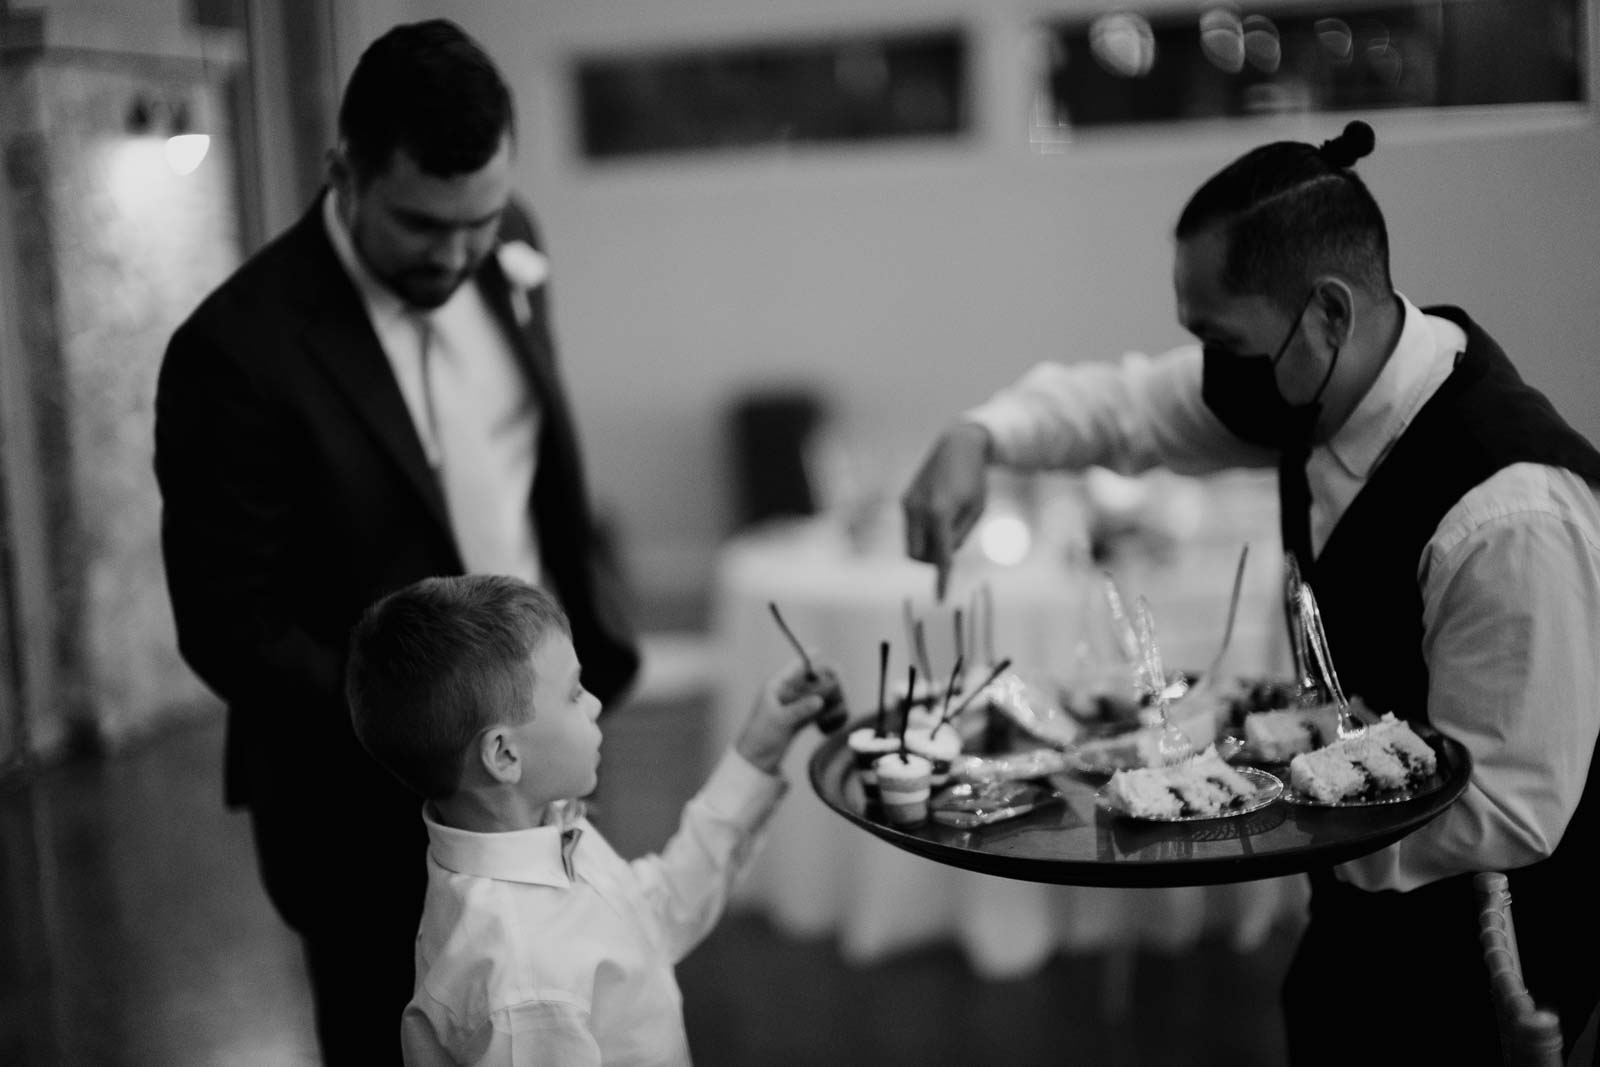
[1248, 384]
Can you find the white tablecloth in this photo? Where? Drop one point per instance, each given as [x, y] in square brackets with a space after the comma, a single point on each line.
[819, 875]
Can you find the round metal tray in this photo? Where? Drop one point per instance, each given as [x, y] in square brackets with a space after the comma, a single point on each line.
[1077, 843]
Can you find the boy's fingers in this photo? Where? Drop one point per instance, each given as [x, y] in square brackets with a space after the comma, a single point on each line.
[792, 683]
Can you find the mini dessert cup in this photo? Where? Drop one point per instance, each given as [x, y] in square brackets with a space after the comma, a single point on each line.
[923, 709]
[969, 721]
[904, 781]
[939, 747]
[923, 717]
[866, 744]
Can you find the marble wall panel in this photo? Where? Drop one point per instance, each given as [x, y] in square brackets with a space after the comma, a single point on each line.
[116, 249]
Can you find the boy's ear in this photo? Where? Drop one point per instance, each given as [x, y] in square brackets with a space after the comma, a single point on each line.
[497, 752]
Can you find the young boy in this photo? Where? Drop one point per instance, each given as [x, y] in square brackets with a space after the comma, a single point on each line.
[538, 943]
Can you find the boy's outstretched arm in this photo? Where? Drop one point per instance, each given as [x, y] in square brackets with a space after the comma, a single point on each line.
[687, 883]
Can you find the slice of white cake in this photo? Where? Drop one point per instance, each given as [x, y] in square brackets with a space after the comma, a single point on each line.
[1279, 735]
[1201, 785]
[1418, 756]
[1388, 756]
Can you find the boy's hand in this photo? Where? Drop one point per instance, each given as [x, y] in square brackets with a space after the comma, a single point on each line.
[789, 701]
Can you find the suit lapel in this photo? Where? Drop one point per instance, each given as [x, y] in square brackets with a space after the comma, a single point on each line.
[559, 500]
[530, 351]
[340, 336]
[531, 344]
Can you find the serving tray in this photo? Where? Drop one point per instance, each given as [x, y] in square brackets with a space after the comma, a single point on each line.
[1075, 842]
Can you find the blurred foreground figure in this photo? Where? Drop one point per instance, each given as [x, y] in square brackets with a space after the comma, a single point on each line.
[1448, 520]
[371, 400]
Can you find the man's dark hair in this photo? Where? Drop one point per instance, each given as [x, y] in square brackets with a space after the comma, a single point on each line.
[1289, 211]
[436, 663]
[429, 90]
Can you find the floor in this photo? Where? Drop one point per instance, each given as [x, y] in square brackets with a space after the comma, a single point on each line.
[133, 932]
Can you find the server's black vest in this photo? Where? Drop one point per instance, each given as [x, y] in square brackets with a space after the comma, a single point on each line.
[1482, 419]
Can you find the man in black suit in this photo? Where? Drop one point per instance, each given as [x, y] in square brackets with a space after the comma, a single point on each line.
[371, 399]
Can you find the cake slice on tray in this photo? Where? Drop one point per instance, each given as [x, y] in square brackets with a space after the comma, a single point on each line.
[1197, 787]
[1277, 736]
[1389, 756]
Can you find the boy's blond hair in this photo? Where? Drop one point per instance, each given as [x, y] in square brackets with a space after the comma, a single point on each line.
[436, 663]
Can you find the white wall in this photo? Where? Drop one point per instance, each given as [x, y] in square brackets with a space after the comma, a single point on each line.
[910, 282]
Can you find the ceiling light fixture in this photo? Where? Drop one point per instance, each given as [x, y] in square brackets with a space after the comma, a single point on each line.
[185, 147]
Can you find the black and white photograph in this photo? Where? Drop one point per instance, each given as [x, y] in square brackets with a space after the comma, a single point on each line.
[639, 533]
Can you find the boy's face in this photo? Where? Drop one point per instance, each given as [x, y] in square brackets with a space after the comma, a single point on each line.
[563, 736]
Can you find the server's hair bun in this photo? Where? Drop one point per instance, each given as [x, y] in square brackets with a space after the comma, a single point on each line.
[1354, 143]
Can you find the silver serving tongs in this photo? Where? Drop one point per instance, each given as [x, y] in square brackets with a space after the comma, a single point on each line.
[1122, 628]
[1173, 744]
[979, 637]
[1309, 692]
[1317, 638]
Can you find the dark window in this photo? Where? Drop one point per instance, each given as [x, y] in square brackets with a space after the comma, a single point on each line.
[852, 89]
[1128, 67]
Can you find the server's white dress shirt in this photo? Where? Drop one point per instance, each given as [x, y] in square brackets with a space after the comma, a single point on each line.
[1510, 579]
[528, 956]
[472, 408]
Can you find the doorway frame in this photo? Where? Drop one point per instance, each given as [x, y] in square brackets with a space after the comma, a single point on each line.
[28, 682]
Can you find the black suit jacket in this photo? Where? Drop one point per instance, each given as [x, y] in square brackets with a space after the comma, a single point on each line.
[295, 492]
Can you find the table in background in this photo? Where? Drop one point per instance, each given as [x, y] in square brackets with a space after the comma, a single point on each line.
[819, 875]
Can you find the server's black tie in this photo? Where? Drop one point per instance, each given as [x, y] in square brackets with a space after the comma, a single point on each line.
[1294, 498]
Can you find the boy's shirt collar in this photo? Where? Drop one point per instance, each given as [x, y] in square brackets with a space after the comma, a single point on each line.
[540, 855]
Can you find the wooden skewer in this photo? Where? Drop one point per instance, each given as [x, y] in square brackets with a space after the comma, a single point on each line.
[911, 687]
[908, 618]
[811, 671]
[988, 624]
[999, 669]
[883, 680]
[925, 663]
[944, 712]
[972, 624]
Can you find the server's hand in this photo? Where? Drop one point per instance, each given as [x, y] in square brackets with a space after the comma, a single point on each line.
[946, 498]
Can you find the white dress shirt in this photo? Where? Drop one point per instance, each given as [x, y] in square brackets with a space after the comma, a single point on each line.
[1510, 579]
[528, 957]
[472, 407]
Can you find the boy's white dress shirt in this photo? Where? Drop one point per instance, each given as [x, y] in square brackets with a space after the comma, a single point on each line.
[532, 953]
[1510, 580]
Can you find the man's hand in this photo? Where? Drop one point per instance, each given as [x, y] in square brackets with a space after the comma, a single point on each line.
[946, 498]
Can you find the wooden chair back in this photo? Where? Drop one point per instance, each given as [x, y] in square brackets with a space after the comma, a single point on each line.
[1530, 1036]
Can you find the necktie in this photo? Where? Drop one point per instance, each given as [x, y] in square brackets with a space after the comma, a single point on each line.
[1294, 495]
[461, 453]
[426, 358]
